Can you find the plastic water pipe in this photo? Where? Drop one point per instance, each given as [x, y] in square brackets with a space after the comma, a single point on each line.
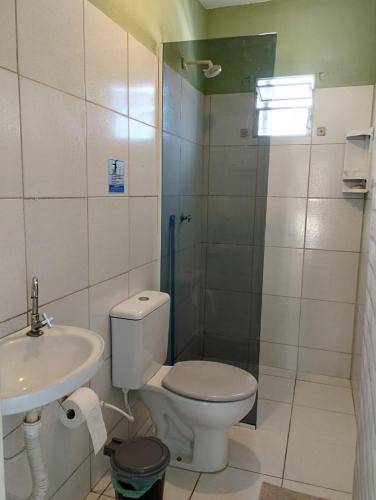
[32, 427]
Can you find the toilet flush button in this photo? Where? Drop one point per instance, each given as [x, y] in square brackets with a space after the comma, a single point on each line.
[143, 299]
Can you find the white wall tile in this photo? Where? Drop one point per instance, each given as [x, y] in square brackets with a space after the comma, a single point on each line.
[108, 238]
[13, 325]
[279, 355]
[51, 43]
[276, 388]
[330, 275]
[8, 57]
[53, 148]
[12, 259]
[328, 363]
[231, 219]
[57, 246]
[327, 325]
[171, 111]
[286, 169]
[72, 310]
[282, 271]
[285, 222]
[77, 486]
[144, 278]
[239, 110]
[340, 110]
[143, 173]
[232, 170]
[10, 141]
[107, 138]
[105, 60]
[280, 319]
[334, 224]
[103, 297]
[326, 171]
[143, 82]
[143, 231]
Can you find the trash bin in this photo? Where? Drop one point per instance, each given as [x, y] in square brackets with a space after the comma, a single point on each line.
[138, 467]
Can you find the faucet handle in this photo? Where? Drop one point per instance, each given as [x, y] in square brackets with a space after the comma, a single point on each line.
[47, 321]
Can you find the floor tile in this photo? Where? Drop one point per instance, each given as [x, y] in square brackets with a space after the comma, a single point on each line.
[324, 396]
[102, 484]
[315, 490]
[277, 372]
[179, 484]
[273, 416]
[276, 388]
[109, 492]
[319, 463]
[231, 484]
[323, 379]
[326, 426]
[258, 451]
[92, 496]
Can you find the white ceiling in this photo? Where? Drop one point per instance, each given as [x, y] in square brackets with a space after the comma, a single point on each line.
[214, 4]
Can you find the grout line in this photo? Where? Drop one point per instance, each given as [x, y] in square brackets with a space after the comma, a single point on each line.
[195, 486]
[288, 433]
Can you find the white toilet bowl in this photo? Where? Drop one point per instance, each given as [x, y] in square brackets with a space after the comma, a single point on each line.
[196, 430]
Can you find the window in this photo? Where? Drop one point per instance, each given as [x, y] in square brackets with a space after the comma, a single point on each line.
[284, 105]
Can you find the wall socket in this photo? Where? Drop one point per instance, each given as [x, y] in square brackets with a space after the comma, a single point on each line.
[244, 132]
[321, 131]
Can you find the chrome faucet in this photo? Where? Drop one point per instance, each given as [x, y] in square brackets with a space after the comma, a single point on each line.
[36, 323]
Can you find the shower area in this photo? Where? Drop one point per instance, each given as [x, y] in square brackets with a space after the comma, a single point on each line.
[214, 189]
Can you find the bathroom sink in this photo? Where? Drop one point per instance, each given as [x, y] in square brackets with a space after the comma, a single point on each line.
[37, 371]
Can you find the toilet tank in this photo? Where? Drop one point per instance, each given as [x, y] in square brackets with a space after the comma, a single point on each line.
[139, 328]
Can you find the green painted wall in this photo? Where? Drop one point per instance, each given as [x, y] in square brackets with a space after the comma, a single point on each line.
[334, 37]
[156, 21]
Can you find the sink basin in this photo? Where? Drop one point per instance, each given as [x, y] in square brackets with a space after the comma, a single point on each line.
[37, 371]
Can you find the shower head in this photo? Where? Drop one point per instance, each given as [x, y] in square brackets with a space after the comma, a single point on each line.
[211, 71]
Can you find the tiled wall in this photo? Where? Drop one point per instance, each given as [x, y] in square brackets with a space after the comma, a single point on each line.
[75, 90]
[364, 365]
[183, 188]
[312, 232]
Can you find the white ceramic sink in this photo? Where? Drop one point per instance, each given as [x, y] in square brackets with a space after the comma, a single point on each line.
[35, 371]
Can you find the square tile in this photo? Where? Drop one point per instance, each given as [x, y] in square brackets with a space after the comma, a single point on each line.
[257, 450]
[323, 379]
[232, 170]
[77, 485]
[316, 490]
[324, 397]
[330, 275]
[103, 298]
[276, 388]
[319, 463]
[10, 139]
[329, 363]
[143, 174]
[283, 271]
[231, 219]
[60, 257]
[279, 355]
[229, 114]
[12, 259]
[143, 231]
[171, 100]
[8, 43]
[107, 138]
[143, 82]
[325, 426]
[326, 171]
[105, 60]
[179, 484]
[51, 43]
[192, 111]
[334, 224]
[13, 325]
[284, 170]
[72, 310]
[273, 416]
[191, 168]
[280, 319]
[144, 278]
[229, 267]
[327, 325]
[231, 484]
[54, 150]
[285, 222]
[108, 238]
[171, 165]
[341, 109]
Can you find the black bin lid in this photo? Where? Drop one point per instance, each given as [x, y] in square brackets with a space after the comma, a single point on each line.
[141, 456]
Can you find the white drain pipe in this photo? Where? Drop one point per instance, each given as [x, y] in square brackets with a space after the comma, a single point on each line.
[31, 427]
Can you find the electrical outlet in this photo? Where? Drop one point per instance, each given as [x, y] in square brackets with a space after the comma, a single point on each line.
[244, 132]
[321, 131]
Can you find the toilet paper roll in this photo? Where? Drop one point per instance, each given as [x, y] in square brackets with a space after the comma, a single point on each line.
[84, 406]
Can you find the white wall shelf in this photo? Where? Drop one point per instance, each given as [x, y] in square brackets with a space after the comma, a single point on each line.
[356, 170]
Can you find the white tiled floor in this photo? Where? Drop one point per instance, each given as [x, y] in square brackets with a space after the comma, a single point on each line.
[305, 441]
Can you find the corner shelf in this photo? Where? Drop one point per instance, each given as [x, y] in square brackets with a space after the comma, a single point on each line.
[357, 161]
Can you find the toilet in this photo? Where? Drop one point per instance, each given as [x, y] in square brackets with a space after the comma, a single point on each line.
[193, 404]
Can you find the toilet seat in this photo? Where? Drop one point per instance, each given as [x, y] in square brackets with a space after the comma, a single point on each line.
[210, 381]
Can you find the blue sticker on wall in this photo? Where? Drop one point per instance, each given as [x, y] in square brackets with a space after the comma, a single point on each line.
[116, 175]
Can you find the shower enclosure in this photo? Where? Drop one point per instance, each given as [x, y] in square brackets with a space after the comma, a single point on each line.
[215, 172]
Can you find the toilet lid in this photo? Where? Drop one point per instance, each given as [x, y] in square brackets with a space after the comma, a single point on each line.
[209, 381]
